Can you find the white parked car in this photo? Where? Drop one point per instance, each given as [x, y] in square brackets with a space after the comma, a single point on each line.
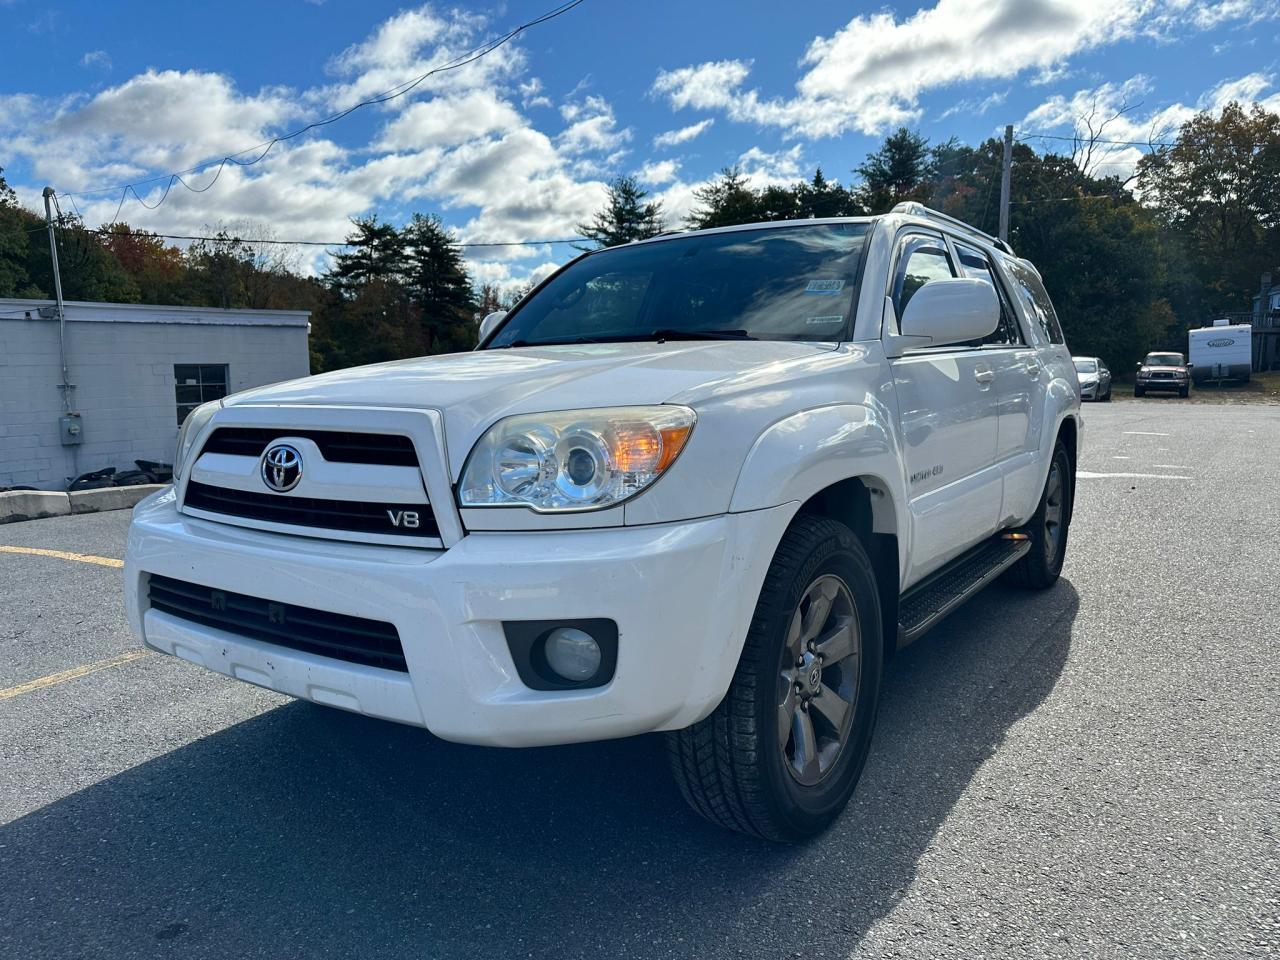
[1094, 377]
[702, 484]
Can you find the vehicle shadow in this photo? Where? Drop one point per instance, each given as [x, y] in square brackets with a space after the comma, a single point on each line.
[310, 833]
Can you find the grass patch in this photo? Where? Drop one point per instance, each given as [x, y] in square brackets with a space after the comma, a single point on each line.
[1261, 388]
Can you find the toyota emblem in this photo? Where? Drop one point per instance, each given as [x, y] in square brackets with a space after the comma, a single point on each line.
[281, 467]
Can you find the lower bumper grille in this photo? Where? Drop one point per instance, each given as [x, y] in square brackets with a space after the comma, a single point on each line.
[353, 639]
[414, 520]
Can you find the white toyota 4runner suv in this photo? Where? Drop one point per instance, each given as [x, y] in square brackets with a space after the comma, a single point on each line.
[701, 484]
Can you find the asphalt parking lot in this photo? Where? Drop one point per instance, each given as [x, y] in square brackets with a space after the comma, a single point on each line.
[1089, 772]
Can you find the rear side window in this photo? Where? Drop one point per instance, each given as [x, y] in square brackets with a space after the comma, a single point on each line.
[923, 259]
[1036, 300]
[975, 265]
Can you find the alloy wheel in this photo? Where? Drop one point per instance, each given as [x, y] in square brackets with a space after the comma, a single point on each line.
[1054, 511]
[818, 680]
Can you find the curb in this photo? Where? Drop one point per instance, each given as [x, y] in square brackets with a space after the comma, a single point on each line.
[16, 505]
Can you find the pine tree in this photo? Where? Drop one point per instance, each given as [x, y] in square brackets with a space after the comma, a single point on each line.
[725, 201]
[899, 170]
[624, 217]
[375, 253]
[437, 283]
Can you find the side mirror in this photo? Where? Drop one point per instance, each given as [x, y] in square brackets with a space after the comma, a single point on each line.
[1139, 364]
[488, 324]
[951, 311]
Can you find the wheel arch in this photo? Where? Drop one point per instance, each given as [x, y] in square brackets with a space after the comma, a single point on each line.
[843, 462]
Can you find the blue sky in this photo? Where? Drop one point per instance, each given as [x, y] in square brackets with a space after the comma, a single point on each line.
[518, 145]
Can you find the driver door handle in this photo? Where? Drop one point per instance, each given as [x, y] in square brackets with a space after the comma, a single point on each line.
[1033, 369]
[984, 375]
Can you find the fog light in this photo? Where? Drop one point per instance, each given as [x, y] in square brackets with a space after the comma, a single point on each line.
[572, 653]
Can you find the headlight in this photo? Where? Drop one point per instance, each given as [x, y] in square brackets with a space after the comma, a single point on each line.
[574, 459]
[190, 429]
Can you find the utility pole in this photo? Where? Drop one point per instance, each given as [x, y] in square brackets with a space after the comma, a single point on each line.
[1005, 169]
[58, 292]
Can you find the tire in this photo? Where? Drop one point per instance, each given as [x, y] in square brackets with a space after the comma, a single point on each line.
[1048, 527]
[1184, 392]
[1139, 392]
[743, 767]
[1107, 398]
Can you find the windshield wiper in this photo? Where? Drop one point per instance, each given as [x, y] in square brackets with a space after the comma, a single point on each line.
[668, 333]
[547, 343]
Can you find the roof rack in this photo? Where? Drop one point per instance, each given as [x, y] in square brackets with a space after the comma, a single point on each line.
[916, 209]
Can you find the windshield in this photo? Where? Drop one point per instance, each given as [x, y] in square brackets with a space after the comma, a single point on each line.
[1164, 360]
[780, 283]
[1086, 366]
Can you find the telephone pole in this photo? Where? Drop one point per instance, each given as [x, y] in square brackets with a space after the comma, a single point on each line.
[57, 290]
[1005, 169]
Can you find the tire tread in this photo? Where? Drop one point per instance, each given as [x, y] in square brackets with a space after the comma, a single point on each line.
[716, 761]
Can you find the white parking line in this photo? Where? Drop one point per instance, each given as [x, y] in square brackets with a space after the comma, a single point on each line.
[1170, 466]
[1145, 433]
[1090, 475]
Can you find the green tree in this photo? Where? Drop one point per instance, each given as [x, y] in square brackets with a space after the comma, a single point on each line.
[821, 197]
[438, 286]
[88, 269]
[16, 225]
[375, 252]
[157, 269]
[725, 201]
[1217, 190]
[624, 217]
[900, 170]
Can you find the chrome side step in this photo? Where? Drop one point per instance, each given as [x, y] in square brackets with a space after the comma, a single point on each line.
[925, 605]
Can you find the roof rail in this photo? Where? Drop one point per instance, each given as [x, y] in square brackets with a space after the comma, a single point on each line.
[916, 209]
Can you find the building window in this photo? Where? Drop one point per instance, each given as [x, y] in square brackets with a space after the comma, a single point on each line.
[197, 383]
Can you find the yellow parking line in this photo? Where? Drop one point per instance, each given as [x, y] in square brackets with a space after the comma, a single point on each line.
[64, 555]
[73, 673]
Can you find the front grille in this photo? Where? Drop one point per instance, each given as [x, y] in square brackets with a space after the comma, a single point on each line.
[353, 639]
[356, 516]
[339, 446]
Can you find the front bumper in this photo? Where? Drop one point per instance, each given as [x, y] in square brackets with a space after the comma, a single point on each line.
[682, 595]
[1172, 386]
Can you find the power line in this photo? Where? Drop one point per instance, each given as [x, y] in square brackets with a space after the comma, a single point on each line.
[1119, 143]
[320, 243]
[1083, 196]
[265, 146]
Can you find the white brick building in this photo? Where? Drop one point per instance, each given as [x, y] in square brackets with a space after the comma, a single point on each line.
[136, 370]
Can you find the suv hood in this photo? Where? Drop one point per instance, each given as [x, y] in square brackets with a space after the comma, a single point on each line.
[473, 390]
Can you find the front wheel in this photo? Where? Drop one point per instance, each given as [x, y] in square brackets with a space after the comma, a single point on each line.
[1184, 392]
[1139, 392]
[781, 755]
[1042, 564]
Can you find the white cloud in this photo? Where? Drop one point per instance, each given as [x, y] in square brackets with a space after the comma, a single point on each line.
[658, 172]
[459, 143]
[98, 59]
[973, 107]
[871, 74]
[1115, 111]
[674, 138]
[592, 127]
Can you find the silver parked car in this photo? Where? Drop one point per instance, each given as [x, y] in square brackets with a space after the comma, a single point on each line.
[1095, 378]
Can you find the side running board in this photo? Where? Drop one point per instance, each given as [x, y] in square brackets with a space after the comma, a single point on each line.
[923, 606]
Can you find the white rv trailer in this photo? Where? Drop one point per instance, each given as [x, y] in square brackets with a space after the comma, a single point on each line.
[1223, 351]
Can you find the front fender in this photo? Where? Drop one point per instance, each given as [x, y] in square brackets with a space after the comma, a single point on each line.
[803, 454]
